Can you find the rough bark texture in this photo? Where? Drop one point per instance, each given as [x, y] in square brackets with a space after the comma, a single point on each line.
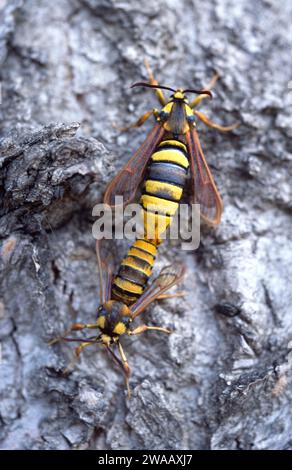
[222, 380]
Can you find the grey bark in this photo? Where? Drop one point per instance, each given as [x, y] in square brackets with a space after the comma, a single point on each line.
[222, 380]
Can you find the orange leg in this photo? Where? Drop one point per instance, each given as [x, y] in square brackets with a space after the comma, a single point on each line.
[159, 93]
[123, 364]
[171, 296]
[142, 328]
[126, 368]
[213, 125]
[209, 86]
[78, 351]
[162, 100]
[138, 123]
[74, 327]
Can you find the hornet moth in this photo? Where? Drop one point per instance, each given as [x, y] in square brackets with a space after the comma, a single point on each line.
[169, 149]
[122, 299]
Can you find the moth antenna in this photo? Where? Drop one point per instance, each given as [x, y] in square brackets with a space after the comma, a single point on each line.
[199, 92]
[147, 85]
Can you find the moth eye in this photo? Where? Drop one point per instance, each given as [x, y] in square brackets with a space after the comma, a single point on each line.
[163, 115]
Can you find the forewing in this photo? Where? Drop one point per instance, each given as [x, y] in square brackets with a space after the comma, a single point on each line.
[204, 188]
[105, 275]
[127, 181]
[168, 277]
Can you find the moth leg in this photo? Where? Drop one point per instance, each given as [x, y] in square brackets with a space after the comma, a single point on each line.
[209, 86]
[78, 351]
[74, 327]
[80, 348]
[213, 125]
[142, 328]
[172, 296]
[126, 368]
[159, 93]
[138, 123]
[122, 363]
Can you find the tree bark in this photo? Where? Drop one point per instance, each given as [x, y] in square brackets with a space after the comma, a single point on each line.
[222, 380]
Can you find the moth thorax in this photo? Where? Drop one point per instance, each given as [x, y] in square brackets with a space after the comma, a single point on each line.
[113, 318]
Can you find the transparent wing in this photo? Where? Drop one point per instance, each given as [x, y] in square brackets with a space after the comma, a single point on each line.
[167, 278]
[126, 182]
[105, 275]
[204, 188]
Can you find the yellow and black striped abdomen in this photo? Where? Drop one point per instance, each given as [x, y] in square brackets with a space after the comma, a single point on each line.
[163, 187]
[134, 272]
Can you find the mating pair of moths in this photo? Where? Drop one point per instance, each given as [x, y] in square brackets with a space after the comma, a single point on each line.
[160, 165]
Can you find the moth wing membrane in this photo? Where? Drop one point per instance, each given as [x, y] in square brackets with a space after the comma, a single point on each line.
[105, 274]
[163, 282]
[127, 181]
[204, 188]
